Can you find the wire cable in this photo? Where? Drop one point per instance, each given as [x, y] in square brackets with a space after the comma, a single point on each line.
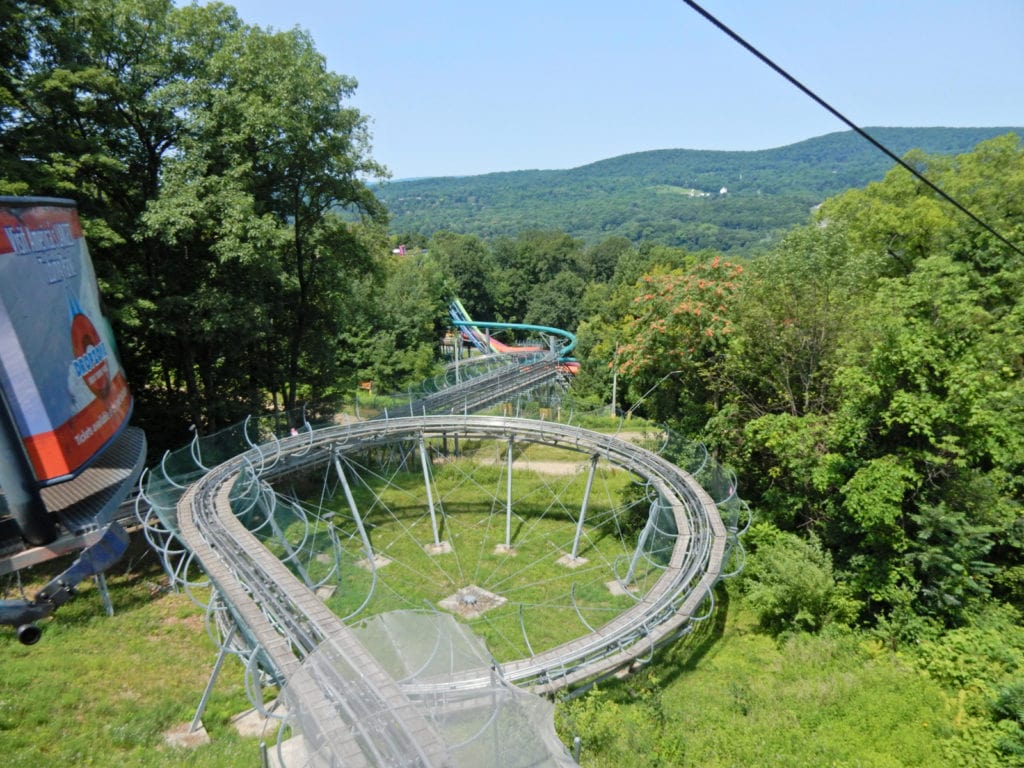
[860, 131]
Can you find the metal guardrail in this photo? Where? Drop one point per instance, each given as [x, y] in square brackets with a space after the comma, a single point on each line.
[288, 622]
[487, 385]
[363, 717]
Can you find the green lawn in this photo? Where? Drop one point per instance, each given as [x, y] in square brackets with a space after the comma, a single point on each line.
[101, 691]
[544, 596]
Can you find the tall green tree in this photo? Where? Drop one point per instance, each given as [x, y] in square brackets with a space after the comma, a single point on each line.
[25, 26]
[405, 323]
[209, 159]
[557, 302]
[790, 318]
[269, 153]
[528, 261]
[906, 462]
[674, 341]
[471, 270]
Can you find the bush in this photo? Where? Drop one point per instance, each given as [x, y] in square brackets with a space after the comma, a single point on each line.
[789, 583]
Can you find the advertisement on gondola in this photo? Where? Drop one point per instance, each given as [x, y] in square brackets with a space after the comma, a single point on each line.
[60, 378]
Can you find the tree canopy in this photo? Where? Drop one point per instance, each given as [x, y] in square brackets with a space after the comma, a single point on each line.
[869, 389]
[210, 160]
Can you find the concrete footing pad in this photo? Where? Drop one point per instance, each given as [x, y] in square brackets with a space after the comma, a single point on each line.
[292, 752]
[252, 723]
[379, 561]
[181, 736]
[616, 588]
[472, 601]
[572, 562]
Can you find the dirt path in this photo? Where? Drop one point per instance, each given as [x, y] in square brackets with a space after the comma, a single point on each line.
[566, 467]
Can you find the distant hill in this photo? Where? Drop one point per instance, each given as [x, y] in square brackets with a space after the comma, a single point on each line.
[671, 196]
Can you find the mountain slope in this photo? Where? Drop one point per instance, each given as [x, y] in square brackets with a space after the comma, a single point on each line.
[672, 196]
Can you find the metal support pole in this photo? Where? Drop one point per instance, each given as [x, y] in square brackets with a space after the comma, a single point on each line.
[101, 585]
[197, 720]
[430, 494]
[458, 355]
[340, 471]
[615, 385]
[583, 507]
[644, 534]
[508, 496]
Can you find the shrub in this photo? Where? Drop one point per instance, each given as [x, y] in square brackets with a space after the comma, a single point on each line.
[790, 584]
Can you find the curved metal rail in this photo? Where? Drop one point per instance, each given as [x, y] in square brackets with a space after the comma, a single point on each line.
[364, 718]
[376, 719]
[460, 319]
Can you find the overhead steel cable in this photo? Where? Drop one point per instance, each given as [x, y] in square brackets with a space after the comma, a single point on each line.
[860, 131]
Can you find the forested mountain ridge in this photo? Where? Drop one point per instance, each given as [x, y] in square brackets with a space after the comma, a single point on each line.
[670, 196]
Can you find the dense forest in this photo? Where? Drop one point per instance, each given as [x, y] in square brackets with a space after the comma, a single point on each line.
[672, 196]
[863, 373]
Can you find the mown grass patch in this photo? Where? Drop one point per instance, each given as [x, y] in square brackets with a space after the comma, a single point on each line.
[101, 691]
[548, 602]
[530, 576]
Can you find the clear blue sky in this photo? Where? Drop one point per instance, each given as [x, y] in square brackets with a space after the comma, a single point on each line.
[458, 87]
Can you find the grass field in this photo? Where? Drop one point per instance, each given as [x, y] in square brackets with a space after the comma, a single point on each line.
[546, 600]
[100, 691]
[730, 696]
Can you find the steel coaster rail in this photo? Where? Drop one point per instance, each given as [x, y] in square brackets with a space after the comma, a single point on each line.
[366, 719]
[695, 566]
[283, 622]
[493, 386]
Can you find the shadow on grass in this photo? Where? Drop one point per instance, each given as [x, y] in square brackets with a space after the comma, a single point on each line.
[133, 581]
[687, 653]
